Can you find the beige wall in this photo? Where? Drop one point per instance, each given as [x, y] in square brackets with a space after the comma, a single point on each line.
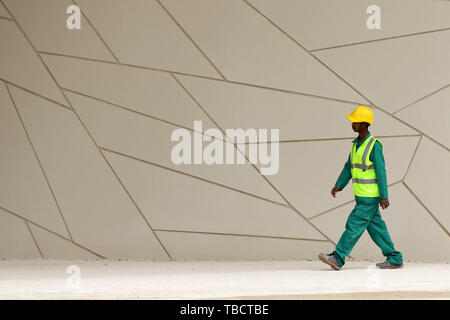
[86, 117]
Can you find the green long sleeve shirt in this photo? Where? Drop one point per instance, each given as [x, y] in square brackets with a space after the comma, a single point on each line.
[377, 157]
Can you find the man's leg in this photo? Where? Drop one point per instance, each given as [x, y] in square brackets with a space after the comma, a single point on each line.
[357, 222]
[378, 232]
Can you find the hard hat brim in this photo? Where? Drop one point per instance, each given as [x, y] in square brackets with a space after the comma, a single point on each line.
[351, 118]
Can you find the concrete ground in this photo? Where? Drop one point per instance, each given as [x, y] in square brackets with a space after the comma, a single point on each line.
[43, 279]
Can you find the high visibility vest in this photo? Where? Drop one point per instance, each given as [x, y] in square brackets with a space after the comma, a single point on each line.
[363, 171]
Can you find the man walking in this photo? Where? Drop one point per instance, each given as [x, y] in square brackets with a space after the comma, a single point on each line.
[365, 166]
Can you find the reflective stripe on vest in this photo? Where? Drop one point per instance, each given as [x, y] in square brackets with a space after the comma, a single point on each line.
[360, 166]
[363, 171]
[364, 181]
[366, 150]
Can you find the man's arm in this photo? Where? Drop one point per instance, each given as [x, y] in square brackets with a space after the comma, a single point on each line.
[377, 158]
[343, 179]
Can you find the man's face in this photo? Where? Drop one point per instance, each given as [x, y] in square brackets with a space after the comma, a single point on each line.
[356, 126]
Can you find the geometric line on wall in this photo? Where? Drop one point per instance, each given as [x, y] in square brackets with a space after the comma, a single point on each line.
[338, 139]
[201, 246]
[245, 156]
[395, 82]
[16, 241]
[96, 32]
[112, 104]
[422, 98]
[412, 158]
[243, 235]
[193, 176]
[346, 203]
[429, 179]
[192, 40]
[149, 36]
[304, 48]
[426, 209]
[73, 110]
[236, 106]
[3, 13]
[23, 185]
[30, 222]
[330, 24]
[144, 138]
[262, 65]
[39, 162]
[34, 239]
[151, 92]
[92, 194]
[208, 78]
[430, 114]
[33, 92]
[21, 65]
[44, 22]
[200, 206]
[53, 247]
[381, 39]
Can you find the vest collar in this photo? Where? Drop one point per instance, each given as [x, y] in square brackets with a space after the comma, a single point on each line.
[357, 138]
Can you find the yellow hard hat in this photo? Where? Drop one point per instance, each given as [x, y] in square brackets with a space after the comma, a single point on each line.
[361, 114]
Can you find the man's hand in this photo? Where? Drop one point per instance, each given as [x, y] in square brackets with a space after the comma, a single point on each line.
[334, 190]
[384, 203]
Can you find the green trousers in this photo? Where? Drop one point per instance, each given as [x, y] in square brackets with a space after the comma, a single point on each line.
[366, 215]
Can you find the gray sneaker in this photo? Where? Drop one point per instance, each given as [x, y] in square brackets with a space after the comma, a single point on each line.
[331, 260]
[388, 265]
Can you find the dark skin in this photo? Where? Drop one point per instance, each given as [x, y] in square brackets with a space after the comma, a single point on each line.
[362, 130]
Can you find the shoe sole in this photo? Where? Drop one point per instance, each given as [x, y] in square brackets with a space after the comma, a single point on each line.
[325, 260]
[393, 267]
